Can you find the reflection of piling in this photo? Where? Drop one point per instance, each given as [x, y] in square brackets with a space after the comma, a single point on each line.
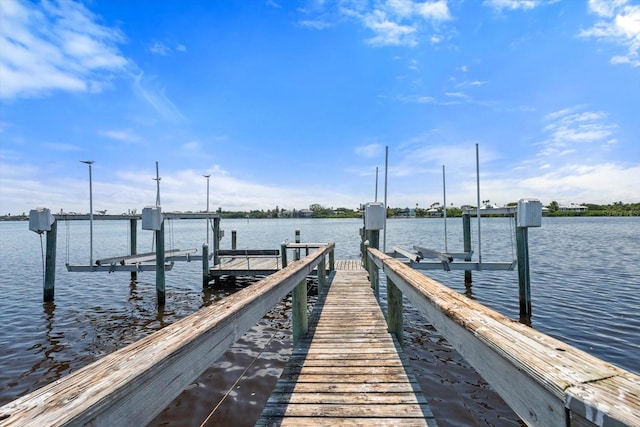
[50, 266]
[133, 242]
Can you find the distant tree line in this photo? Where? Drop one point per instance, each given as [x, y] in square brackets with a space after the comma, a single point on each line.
[319, 211]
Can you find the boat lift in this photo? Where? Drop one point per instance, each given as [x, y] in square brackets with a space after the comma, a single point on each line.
[42, 221]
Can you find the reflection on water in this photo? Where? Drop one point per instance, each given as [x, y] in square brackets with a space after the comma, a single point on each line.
[584, 272]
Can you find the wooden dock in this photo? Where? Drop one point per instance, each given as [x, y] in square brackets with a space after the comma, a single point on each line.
[349, 370]
[346, 369]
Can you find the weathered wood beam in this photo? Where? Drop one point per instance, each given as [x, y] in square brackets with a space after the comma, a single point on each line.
[545, 381]
[132, 385]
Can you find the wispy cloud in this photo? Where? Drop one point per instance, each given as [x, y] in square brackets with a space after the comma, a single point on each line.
[620, 24]
[314, 24]
[369, 151]
[163, 49]
[399, 22]
[55, 46]
[501, 5]
[149, 90]
[60, 146]
[124, 135]
[160, 49]
[580, 182]
[570, 128]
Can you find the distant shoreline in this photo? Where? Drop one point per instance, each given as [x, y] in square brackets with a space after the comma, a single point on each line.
[634, 213]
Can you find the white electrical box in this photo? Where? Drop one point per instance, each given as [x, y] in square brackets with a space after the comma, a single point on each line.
[40, 220]
[529, 213]
[152, 218]
[374, 215]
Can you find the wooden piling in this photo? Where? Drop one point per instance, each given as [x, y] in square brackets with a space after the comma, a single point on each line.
[394, 309]
[216, 240]
[283, 252]
[133, 243]
[296, 252]
[299, 316]
[205, 265]
[322, 275]
[466, 232]
[373, 237]
[160, 271]
[50, 263]
[332, 261]
[234, 239]
[524, 278]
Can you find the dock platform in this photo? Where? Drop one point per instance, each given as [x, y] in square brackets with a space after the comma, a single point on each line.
[349, 370]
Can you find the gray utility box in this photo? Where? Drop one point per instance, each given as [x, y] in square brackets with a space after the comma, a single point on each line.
[529, 213]
[152, 218]
[40, 220]
[374, 216]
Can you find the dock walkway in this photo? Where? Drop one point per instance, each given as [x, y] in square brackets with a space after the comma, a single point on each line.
[349, 370]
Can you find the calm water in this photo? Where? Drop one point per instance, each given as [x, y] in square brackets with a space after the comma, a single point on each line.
[585, 275]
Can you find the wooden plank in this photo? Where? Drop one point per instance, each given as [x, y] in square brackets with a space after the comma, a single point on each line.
[350, 370]
[369, 387]
[342, 422]
[341, 397]
[610, 401]
[416, 411]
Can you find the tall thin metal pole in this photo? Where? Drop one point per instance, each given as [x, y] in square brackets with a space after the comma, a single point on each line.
[207, 176]
[386, 170]
[478, 208]
[90, 162]
[157, 180]
[444, 210]
[376, 199]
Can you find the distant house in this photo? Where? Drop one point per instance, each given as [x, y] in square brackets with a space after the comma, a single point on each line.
[305, 213]
[406, 213]
[572, 208]
[434, 213]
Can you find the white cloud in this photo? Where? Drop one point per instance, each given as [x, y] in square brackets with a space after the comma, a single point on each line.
[315, 24]
[369, 151]
[598, 183]
[438, 11]
[569, 127]
[124, 135]
[181, 48]
[399, 22]
[500, 5]
[619, 24]
[59, 146]
[155, 96]
[55, 46]
[388, 32]
[191, 146]
[160, 49]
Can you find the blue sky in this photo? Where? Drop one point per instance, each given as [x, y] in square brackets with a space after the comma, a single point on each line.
[289, 103]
